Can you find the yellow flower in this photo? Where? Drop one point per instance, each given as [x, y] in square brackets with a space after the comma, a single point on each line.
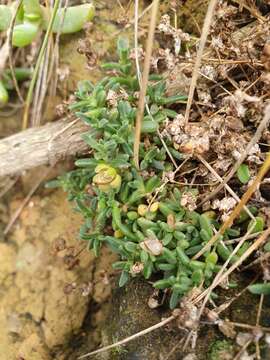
[106, 178]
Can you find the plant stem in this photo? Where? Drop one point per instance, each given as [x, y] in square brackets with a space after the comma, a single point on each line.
[39, 60]
[145, 77]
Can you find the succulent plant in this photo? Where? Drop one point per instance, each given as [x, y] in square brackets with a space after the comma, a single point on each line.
[128, 209]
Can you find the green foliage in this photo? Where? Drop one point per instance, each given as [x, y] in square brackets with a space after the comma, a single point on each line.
[30, 20]
[260, 289]
[33, 17]
[221, 350]
[128, 209]
[243, 173]
[5, 17]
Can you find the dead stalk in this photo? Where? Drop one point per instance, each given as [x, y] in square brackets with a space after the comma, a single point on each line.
[195, 74]
[130, 338]
[145, 76]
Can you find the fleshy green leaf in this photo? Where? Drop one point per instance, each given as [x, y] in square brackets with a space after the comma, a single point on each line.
[260, 289]
[123, 278]
[243, 173]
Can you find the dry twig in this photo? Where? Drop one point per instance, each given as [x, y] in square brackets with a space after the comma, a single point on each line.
[205, 31]
[145, 76]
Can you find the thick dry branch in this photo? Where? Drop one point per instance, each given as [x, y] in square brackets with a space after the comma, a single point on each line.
[41, 145]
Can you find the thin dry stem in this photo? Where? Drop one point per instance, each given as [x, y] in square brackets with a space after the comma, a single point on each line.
[245, 198]
[205, 31]
[130, 338]
[227, 187]
[145, 76]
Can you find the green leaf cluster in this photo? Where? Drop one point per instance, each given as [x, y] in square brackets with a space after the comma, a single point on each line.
[136, 216]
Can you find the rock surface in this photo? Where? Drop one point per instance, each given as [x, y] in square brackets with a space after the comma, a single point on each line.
[43, 298]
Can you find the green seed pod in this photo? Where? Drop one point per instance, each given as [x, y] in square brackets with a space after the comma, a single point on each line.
[5, 17]
[20, 75]
[75, 18]
[3, 94]
[24, 34]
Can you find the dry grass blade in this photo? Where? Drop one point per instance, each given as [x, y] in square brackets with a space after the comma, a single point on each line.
[130, 338]
[145, 76]
[259, 313]
[245, 198]
[38, 63]
[205, 31]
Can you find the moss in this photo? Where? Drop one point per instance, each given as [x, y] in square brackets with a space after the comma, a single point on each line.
[221, 350]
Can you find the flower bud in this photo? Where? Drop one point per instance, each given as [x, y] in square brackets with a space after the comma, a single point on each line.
[154, 207]
[142, 209]
[106, 178]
